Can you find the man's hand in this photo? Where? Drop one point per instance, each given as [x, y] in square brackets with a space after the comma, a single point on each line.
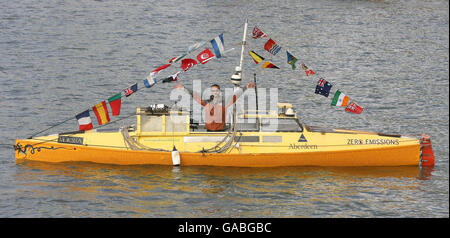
[251, 85]
[178, 86]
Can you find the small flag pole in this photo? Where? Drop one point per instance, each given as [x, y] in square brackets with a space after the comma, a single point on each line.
[256, 92]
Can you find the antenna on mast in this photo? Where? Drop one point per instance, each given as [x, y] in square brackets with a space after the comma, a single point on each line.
[237, 76]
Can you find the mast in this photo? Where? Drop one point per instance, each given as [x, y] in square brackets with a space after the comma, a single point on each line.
[237, 76]
[243, 43]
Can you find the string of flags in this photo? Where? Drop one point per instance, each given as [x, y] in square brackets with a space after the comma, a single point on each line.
[101, 109]
[323, 87]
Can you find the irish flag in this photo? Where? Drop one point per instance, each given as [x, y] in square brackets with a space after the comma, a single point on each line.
[101, 112]
[340, 99]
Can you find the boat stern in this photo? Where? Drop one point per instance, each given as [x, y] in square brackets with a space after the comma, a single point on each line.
[426, 151]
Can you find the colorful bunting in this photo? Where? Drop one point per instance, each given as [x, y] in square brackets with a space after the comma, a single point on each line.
[101, 112]
[291, 60]
[354, 108]
[217, 44]
[272, 47]
[205, 56]
[269, 65]
[187, 63]
[130, 90]
[308, 71]
[257, 58]
[340, 99]
[115, 103]
[84, 121]
[257, 33]
[323, 87]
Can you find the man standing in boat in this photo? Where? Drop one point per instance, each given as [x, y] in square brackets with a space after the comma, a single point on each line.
[214, 109]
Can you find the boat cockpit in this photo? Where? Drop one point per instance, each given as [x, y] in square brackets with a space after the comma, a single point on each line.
[159, 119]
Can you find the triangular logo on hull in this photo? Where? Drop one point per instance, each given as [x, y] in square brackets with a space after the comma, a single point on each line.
[302, 138]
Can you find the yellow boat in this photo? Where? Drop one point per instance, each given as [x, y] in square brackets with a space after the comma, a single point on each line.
[254, 143]
[170, 137]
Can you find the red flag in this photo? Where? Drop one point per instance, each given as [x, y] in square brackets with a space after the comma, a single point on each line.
[354, 108]
[205, 56]
[187, 63]
[308, 71]
[101, 112]
[115, 103]
[161, 67]
[272, 47]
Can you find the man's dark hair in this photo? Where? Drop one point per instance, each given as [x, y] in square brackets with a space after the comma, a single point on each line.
[215, 85]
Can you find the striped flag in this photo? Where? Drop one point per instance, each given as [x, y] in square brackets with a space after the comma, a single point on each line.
[217, 44]
[340, 99]
[269, 65]
[84, 121]
[150, 80]
[257, 58]
[257, 33]
[101, 112]
[272, 47]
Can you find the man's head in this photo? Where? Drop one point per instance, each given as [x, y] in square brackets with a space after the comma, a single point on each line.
[215, 90]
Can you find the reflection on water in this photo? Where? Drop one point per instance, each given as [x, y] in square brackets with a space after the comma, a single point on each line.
[165, 191]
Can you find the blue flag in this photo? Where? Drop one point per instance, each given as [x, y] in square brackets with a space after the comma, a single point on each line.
[133, 88]
[323, 87]
[217, 44]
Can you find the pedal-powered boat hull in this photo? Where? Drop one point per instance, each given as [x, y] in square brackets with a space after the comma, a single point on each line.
[33, 150]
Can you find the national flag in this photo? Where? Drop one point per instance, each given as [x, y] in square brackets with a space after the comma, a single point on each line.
[217, 44]
[161, 68]
[115, 103]
[308, 71]
[291, 60]
[150, 80]
[323, 87]
[257, 33]
[205, 56]
[267, 64]
[175, 59]
[272, 47]
[101, 112]
[130, 90]
[257, 58]
[171, 78]
[340, 99]
[84, 121]
[354, 108]
[196, 46]
[188, 63]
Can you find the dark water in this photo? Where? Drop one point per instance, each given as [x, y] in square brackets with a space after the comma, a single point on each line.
[58, 58]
